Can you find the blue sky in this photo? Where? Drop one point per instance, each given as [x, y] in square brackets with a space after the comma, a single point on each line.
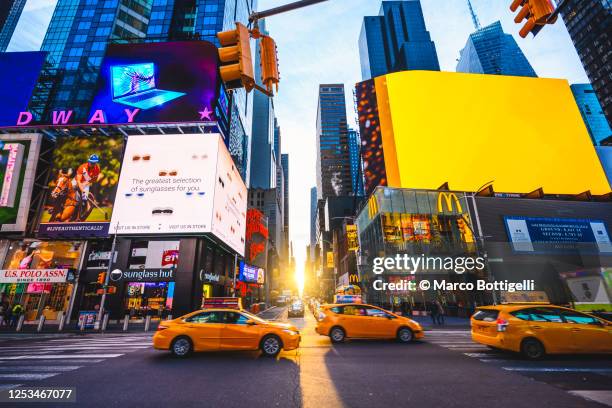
[319, 45]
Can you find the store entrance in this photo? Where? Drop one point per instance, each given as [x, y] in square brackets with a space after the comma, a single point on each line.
[149, 299]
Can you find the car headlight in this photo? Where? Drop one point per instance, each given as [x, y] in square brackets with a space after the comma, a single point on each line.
[291, 332]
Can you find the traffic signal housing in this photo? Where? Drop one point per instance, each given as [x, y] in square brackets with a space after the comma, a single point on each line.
[101, 278]
[537, 13]
[268, 56]
[236, 60]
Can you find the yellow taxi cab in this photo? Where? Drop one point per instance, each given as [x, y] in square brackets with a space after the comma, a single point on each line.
[342, 321]
[539, 329]
[224, 329]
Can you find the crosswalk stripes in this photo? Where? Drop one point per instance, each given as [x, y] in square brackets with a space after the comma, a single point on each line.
[24, 364]
[461, 341]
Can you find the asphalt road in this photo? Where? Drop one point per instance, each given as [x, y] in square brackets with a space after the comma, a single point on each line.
[445, 370]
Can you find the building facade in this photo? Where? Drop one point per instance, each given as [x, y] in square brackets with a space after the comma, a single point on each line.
[396, 40]
[593, 114]
[356, 169]
[333, 160]
[588, 23]
[491, 51]
[10, 11]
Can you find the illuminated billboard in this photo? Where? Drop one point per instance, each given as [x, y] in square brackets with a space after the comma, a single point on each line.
[20, 73]
[18, 160]
[145, 83]
[180, 184]
[468, 129]
[82, 187]
[251, 274]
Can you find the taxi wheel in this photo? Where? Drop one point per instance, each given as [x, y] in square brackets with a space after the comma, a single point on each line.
[270, 346]
[405, 335]
[337, 334]
[181, 347]
[532, 349]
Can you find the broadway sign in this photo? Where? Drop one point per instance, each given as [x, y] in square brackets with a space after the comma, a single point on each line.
[33, 275]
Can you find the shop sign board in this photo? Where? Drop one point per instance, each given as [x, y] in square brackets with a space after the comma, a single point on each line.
[33, 275]
[145, 275]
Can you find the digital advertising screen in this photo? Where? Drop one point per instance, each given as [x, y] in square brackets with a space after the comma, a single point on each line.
[82, 186]
[180, 184]
[157, 83]
[19, 74]
[251, 274]
[18, 164]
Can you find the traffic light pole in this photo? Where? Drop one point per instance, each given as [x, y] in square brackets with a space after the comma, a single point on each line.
[106, 280]
[258, 15]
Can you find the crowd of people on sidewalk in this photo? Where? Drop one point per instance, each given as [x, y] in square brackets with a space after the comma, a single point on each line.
[9, 316]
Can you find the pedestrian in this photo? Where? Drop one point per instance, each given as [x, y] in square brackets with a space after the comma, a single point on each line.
[440, 316]
[434, 313]
[16, 311]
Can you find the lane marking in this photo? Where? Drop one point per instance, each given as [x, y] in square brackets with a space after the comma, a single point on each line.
[60, 356]
[560, 369]
[603, 397]
[5, 368]
[27, 377]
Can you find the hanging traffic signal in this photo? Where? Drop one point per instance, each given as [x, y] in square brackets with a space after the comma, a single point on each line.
[236, 61]
[269, 63]
[101, 278]
[537, 13]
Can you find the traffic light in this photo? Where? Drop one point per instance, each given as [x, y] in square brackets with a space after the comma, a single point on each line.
[101, 278]
[536, 12]
[236, 61]
[269, 63]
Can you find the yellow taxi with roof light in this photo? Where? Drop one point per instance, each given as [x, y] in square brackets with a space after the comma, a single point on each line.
[222, 329]
[535, 330]
[342, 321]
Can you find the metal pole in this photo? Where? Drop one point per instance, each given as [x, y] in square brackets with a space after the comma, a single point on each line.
[235, 264]
[105, 321]
[482, 242]
[126, 322]
[258, 15]
[41, 323]
[20, 322]
[107, 278]
[147, 323]
[62, 321]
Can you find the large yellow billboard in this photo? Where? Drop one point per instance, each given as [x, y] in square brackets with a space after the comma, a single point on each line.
[468, 129]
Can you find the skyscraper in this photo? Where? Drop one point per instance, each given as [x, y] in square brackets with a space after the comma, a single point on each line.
[491, 51]
[356, 170]
[10, 11]
[333, 160]
[313, 222]
[592, 113]
[396, 40]
[285, 167]
[588, 24]
[264, 173]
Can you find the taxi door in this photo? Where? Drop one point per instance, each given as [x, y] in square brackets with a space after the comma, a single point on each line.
[355, 321]
[205, 331]
[380, 323]
[548, 326]
[589, 334]
[237, 334]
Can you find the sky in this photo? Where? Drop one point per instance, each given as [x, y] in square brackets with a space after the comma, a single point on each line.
[319, 44]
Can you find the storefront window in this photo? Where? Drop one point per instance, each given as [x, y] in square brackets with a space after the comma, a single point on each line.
[36, 275]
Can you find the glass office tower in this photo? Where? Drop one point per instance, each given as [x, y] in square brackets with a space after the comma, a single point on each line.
[593, 114]
[10, 11]
[491, 51]
[588, 24]
[356, 171]
[333, 159]
[396, 40]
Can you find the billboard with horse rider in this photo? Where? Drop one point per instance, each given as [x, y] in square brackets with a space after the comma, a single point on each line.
[82, 187]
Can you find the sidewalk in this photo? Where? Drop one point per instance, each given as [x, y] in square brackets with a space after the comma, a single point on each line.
[114, 327]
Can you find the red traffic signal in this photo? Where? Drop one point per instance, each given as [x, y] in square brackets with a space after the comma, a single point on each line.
[536, 12]
[101, 278]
